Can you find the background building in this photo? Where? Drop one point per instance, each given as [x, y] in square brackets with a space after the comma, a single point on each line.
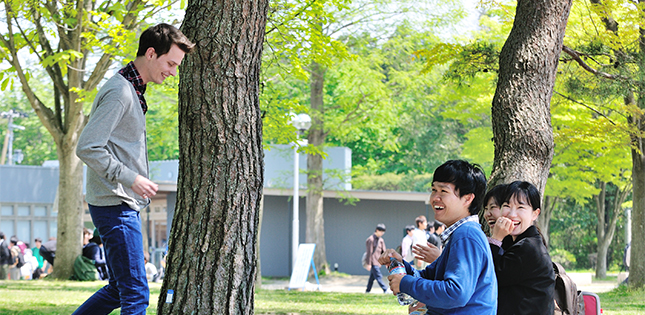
[28, 194]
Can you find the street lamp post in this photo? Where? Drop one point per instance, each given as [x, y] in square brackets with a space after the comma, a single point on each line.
[302, 122]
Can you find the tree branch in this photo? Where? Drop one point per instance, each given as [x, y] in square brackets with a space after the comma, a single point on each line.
[576, 56]
[587, 106]
[293, 17]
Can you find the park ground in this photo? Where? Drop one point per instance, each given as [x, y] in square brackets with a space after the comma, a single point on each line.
[338, 294]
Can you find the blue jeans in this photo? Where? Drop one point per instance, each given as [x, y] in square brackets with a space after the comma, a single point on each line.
[120, 229]
[375, 274]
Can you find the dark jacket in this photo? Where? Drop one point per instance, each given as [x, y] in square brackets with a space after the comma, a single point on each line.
[94, 252]
[5, 254]
[374, 251]
[525, 275]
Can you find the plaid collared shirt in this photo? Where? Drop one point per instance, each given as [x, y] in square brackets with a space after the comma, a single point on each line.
[130, 73]
[445, 236]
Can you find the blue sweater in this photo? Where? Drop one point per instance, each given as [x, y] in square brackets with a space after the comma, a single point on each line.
[461, 281]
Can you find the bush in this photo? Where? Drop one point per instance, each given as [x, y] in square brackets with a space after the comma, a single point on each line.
[564, 258]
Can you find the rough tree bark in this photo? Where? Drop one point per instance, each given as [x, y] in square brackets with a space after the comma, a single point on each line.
[212, 255]
[521, 116]
[315, 231]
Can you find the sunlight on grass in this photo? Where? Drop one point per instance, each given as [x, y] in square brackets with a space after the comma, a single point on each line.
[55, 297]
[63, 297]
[623, 301]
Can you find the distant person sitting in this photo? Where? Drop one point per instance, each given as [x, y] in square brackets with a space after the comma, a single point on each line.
[35, 251]
[151, 269]
[48, 251]
[93, 251]
[5, 257]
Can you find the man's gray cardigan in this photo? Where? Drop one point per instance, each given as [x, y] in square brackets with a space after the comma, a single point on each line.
[113, 145]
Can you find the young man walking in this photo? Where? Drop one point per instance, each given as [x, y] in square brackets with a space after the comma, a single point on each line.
[375, 247]
[462, 280]
[113, 145]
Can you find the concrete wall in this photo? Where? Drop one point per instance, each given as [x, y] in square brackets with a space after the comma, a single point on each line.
[346, 229]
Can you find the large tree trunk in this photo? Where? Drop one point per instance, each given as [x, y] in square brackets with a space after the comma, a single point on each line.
[544, 220]
[601, 210]
[70, 210]
[637, 262]
[605, 230]
[521, 116]
[212, 254]
[315, 231]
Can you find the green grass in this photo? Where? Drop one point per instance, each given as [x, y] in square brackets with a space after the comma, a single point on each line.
[54, 297]
[310, 302]
[63, 297]
[623, 301]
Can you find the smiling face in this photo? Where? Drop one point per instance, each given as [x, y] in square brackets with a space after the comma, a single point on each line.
[492, 211]
[157, 68]
[448, 206]
[520, 211]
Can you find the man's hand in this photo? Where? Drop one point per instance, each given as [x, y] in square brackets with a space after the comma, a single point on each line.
[502, 228]
[395, 283]
[144, 187]
[385, 257]
[427, 253]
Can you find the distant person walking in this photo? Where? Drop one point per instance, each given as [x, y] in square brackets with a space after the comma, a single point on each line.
[375, 247]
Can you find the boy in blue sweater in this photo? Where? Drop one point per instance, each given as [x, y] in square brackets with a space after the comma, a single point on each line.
[462, 280]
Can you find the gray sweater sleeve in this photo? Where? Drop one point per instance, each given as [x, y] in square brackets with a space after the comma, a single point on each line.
[93, 145]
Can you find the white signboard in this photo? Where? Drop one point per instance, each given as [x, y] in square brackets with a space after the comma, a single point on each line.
[304, 260]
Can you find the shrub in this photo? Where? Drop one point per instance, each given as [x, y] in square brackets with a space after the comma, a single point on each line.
[564, 258]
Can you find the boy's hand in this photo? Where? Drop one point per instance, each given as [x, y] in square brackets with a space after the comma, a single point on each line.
[385, 257]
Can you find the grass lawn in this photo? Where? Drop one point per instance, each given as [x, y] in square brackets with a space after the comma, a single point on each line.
[63, 297]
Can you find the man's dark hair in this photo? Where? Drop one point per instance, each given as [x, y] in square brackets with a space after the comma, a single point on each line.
[161, 37]
[409, 228]
[14, 240]
[523, 191]
[37, 239]
[380, 227]
[1, 235]
[437, 224]
[496, 192]
[420, 219]
[467, 178]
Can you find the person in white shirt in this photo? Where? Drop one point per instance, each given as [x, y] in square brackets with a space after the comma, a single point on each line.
[151, 270]
[419, 238]
[406, 244]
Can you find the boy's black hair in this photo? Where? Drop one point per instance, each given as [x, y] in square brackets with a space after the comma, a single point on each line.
[523, 191]
[496, 192]
[161, 37]
[467, 178]
[380, 227]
